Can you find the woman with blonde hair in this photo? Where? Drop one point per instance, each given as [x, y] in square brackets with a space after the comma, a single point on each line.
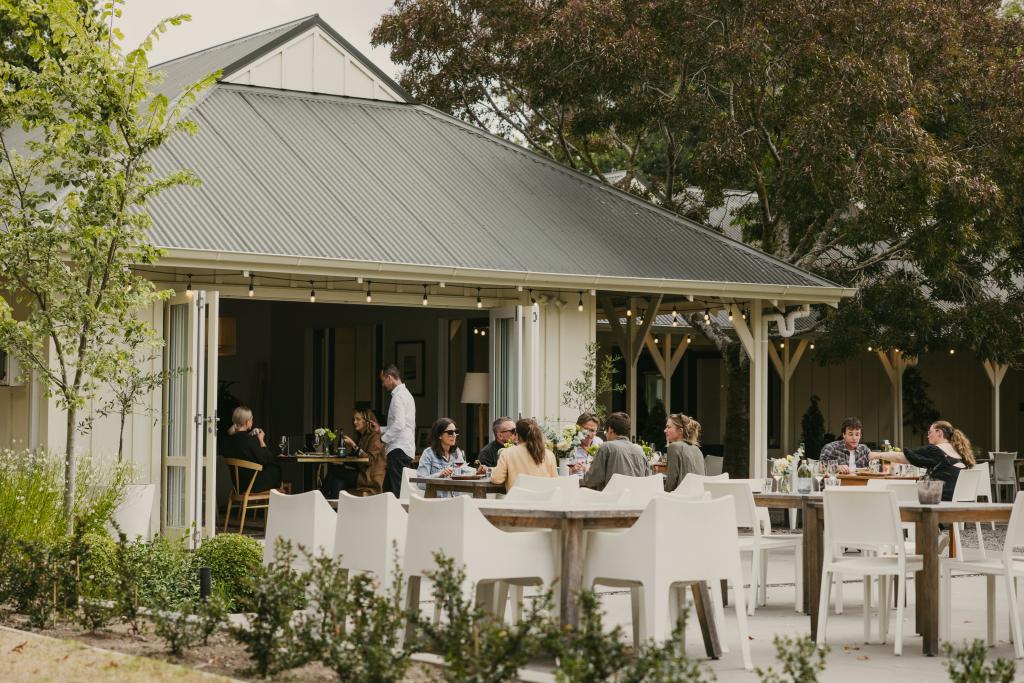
[682, 433]
[530, 456]
[948, 451]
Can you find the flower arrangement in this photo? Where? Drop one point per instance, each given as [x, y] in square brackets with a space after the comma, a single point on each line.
[565, 442]
[648, 451]
[325, 437]
[782, 467]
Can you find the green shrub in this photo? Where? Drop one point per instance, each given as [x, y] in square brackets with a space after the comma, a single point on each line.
[588, 654]
[233, 559]
[271, 638]
[92, 562]
[802, 660]
[146, 574]
[182, 623]
[967, 665]
[35, 580]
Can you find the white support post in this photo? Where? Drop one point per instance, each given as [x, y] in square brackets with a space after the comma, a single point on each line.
[995, 372]
[666, 361]
[786, 365]
[631, 341]
[753, 334]
[895, 364]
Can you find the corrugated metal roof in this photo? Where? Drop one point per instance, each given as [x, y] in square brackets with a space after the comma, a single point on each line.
[296, 174]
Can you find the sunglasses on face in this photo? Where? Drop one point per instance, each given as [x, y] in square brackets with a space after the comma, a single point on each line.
[451, 432]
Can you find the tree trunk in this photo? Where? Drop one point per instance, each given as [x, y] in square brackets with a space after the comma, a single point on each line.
[737, 416]
[70, 467]
[120, 438]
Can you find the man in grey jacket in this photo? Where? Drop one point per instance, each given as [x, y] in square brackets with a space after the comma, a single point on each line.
[617, 455]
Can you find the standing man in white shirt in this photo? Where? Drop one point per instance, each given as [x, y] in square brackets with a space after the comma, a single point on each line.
[399, 436]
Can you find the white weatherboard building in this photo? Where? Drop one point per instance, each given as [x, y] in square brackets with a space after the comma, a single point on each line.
[341, 226]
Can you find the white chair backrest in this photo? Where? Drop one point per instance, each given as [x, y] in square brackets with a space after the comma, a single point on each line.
[906, 491]
[370, 530]
[1003, 465]
[641, 489]
[583, 496]
[693, 484]
[305, 519]
[133, 514]
[862, 517]
[743, 501]
[408, 488]
[984, 480]
[453, 526]
[1015, 530]
[534, 483]
[966, 489]
[713, 465]
[756, 485]
[518, 492]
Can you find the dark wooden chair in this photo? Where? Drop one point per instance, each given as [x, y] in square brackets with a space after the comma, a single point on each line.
[243, 477]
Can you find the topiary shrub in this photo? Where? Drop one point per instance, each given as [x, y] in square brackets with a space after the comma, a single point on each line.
[233, 559]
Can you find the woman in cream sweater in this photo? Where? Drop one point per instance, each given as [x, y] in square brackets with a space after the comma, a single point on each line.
[529, 456]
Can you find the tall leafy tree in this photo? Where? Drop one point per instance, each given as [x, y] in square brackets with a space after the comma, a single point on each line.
[78, 120]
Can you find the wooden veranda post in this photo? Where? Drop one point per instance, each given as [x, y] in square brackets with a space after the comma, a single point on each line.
[995, 372]
[753, 335]
[786, 365]
[666, 361]
[895, 364]
[630, 340]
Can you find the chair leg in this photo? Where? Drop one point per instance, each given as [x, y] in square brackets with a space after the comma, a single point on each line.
[719, 610]
[823, 600]
[798, 554]
[945, 605]
[516, 595]
[241, 521]
[741, 621]
[635, 598]
[755, 575]
[839, 594]
[867, 609]
[990, 599]
[883, 609]
[655, 617]
[227, 516]
[901, 591]
[762, 583]
[1011, 590]
[412, 604]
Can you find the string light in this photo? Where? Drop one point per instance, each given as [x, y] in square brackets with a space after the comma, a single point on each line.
[952, 351]
[519, 288]
[479, 301]
[675, 317]
[425, 300]
[743, 314]
[869, 348]
[657, 341]
[245, 273]
[629, 312]
[483, 332]
[707, 315]
[369, 292]
[812, 346]
[252, 290]
[579, 306]
[639, 318]
[782, 345]
[188, 288]
[312, 293]
[730, 315]
[689, 339]
[442, 285]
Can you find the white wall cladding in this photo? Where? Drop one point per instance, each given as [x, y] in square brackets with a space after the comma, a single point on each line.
[315, 62]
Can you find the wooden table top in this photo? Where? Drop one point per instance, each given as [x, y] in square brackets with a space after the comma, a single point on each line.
[449, 484]
[322, 458]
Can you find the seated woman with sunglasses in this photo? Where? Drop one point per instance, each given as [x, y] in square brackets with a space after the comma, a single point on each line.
[442, 457]
[529, 456]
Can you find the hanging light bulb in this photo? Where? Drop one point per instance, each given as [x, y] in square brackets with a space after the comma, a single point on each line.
[252, 289]
[707, 315]
[312, 293]
[188, 288]
[369, 292]
[869, 348]
[479, 301]
[245, 273]
[743, 314]
[483, 332]
[425, 299]
[782, 345]
[657, 341]
[675, 317]
[639, 318]
[730, 315]
[689, 339]
[952, 351]
[579, 306]
[812, 346]
[629, 312]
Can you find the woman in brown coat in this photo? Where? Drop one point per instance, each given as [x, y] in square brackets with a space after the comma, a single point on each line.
[371, 476]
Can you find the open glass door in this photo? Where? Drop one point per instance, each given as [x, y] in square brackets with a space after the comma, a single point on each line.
[506, 361]
[188, 458]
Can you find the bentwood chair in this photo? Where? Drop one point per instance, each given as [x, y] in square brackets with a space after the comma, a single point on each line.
[243, 477]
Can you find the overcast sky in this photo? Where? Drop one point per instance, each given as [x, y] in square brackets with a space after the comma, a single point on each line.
[218, 21]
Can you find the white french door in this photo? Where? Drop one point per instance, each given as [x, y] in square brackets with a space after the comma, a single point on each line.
[188, 459]
[506, 361]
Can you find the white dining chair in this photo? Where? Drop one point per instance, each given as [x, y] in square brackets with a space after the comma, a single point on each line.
[641, 489]
[656, 571]
[713, 465]
[408, 488]
[859, 517]
[1004, 564]
[985, 484]
[521, 493]
[566, 484]
[487, 555]
[307, 520]
[370, 536]
[693, 483]
[585, 496]
[759, 544]
[133, 514]
[966, 491]
[1005, 472]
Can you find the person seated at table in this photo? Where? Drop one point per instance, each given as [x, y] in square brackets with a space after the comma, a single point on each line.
[617, 455]
[439, 459]
[504, 432]
[947, 453]
[589, 424]
[838, 452]
[529, 456]
[245, 442]
[683, 455]
[368, 479]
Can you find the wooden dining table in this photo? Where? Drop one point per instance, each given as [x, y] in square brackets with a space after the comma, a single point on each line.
[478, 487]
[321, 460]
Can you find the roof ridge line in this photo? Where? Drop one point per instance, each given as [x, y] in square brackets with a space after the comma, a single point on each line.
[233, 40]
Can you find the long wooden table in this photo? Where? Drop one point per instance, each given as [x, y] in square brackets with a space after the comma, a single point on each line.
[321, 461]
[571, 523]
[478, 488]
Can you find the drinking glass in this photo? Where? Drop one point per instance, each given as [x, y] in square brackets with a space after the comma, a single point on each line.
[284, 445]
[777, 478]
[460, 460]
[820, 470]
[768, 485]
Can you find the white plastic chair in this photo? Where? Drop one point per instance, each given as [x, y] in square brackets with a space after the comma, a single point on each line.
[1005, 472]
[485, 553]
[639, 556]
[370, 530]
[641, 489]
[858, 517]
[693, 483]
[305, 519]
[985, 484]
[1005, 564]
[133, 514]
[713, 465]
[585, 496]
[408, 489]
[758, 544]
[534, 483]
[966, 491]
[521, 493]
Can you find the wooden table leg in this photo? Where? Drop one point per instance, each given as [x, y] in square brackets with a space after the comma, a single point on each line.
[479, 493]
[572, 571]
[814, 557]
[725, 592]
[431, 491]
[706, 617]
[928, 589]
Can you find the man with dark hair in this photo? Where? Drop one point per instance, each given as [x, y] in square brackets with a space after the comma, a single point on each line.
[399, 435]
[589, 423]
[617, 455]
[504, 429]
[849, 446]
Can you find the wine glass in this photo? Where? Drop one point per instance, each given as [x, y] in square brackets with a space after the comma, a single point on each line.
[284, 445]
[460, 461]
[820, 470]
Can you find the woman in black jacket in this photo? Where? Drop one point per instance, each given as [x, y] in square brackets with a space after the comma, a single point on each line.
[948, 451]
[245, 443]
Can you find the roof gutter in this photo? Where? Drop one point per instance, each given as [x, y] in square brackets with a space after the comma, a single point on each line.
[480, 277]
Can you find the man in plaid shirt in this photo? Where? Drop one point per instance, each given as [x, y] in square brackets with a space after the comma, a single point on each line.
[838, 452]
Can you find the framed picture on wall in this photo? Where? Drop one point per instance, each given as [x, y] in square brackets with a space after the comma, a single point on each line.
[409, 359]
